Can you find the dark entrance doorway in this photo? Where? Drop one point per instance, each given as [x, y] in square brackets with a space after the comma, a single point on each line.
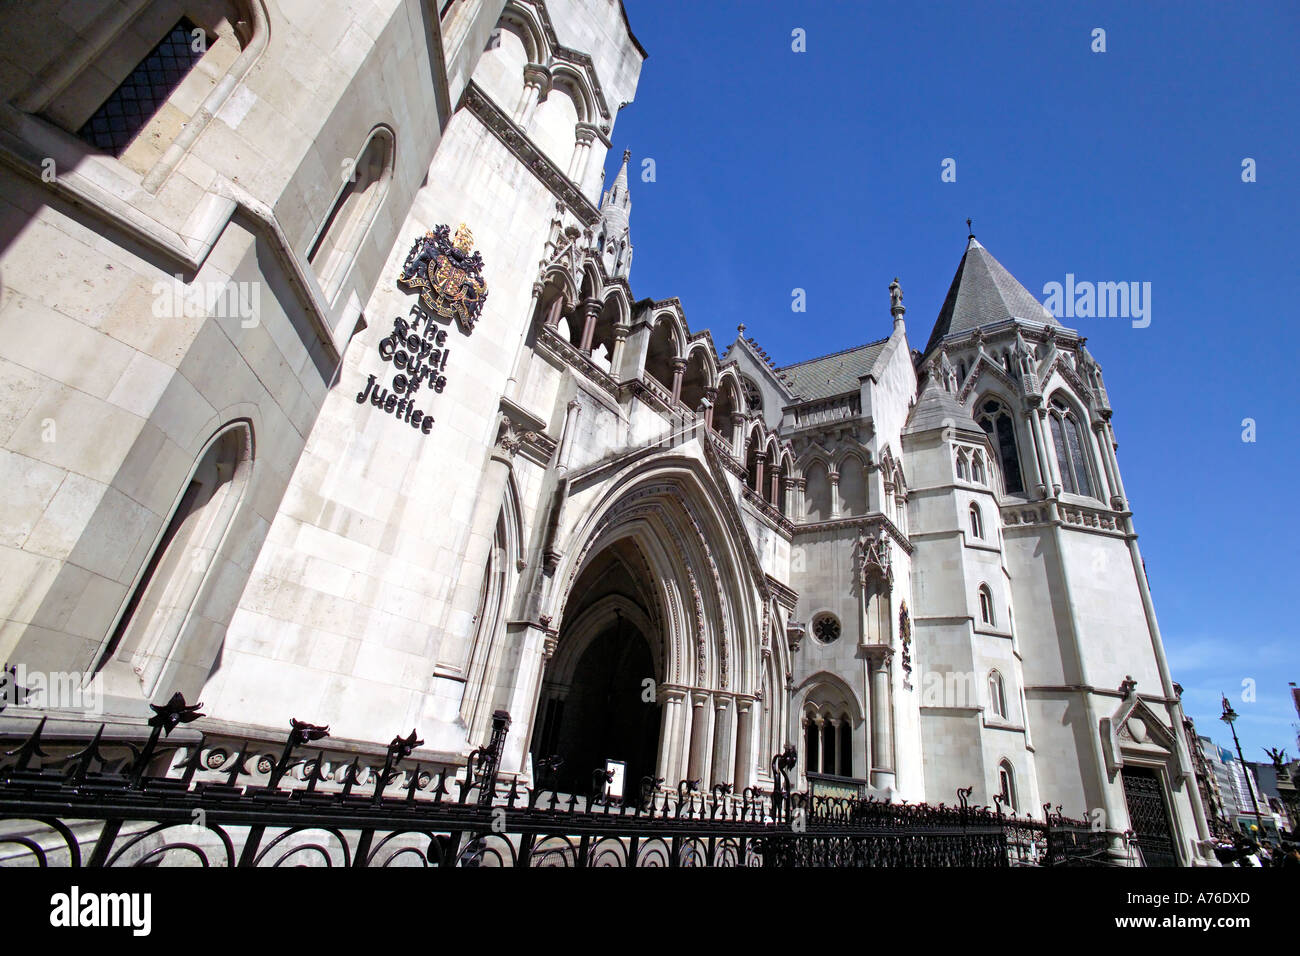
[601, 713]
[1149, 815]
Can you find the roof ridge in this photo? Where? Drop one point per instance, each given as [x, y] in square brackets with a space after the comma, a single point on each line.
[851, 348]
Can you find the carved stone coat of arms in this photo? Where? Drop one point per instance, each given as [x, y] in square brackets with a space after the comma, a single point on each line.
[447, 275]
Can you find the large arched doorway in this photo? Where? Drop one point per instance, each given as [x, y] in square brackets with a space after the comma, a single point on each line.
[599, 699]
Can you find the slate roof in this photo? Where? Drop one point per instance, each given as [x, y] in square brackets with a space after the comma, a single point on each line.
[983, 292]
[938, 408]
[833, 374]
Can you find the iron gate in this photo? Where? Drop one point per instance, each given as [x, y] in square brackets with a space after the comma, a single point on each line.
[1149, 816]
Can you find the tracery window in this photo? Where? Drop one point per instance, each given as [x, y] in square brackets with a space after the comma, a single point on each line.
[996, 420]
[986, 606]
[962, 471]
[1069, 442]
[753, 397]
[977, 468]
[826, 627]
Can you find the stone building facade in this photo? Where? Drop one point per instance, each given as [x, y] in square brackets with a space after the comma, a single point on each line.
[324, 392]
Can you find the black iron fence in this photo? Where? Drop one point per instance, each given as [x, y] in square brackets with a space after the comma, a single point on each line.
[138, 803]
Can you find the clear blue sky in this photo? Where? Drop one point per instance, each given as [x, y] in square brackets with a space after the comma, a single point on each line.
[821, 170]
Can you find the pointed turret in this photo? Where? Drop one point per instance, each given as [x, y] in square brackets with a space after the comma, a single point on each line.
[983, 292]
[614, 237]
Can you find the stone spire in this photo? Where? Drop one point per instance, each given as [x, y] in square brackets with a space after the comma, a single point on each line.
[614, 237]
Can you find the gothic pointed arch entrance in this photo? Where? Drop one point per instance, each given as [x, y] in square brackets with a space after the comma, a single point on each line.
[659, 646]
[599, 698]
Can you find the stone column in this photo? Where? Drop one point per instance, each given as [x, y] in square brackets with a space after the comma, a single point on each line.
[1106, 439]
[553, 314]
[679, 369]
[586, 133]
[589, 311]
[537, 83]
[834, 477]
[776, 486]
[698, 766]
[760, 460]
[744, 775]
[711, 395]
[882, 721]
[1049, 451]
[791, 490]
[1106, 489]
[724, 754]
[1037, 458]
[738, 435]
[670, 730]
[620, 344]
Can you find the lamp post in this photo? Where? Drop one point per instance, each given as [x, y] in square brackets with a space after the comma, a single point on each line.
[1229, 717]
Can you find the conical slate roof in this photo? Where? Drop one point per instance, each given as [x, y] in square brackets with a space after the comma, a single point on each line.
[938, 408]
[983, 292]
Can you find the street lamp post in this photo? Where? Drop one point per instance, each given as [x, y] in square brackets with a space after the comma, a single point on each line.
[1229, 717]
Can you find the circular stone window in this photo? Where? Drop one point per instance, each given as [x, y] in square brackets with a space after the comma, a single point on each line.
[826, 627]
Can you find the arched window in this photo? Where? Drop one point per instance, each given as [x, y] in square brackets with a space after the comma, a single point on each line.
[986, 606]
[753, 397]
[977, 468]
[828, 733]
[1007, 785]
[976, 521]
[1069, 441]
[853, 487]
[339, 239]
[963, 472]
[997, 695]
[996, 420]
[148, 649]
[817, 493]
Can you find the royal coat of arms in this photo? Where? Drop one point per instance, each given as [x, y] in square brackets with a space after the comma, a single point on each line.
[448, 277]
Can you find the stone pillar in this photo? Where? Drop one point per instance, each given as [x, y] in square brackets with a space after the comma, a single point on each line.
[1036, 459]
[744, 775]
[799, 506]
[679, 369]
[882, 722]
[553, 314]
[571, 413]
[698, 766]
[586, 133]
[537, 83]
[1049, 451]
[1106, 439]
[670, 732]
[776, 486]
[710, 395]
[738, 435]
[834, 478]
[791, 490]
[620, 344]
[760, 460]
[589, 311]
[724, 754]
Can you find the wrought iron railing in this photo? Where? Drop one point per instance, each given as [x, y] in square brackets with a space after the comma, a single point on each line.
[109, 804]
